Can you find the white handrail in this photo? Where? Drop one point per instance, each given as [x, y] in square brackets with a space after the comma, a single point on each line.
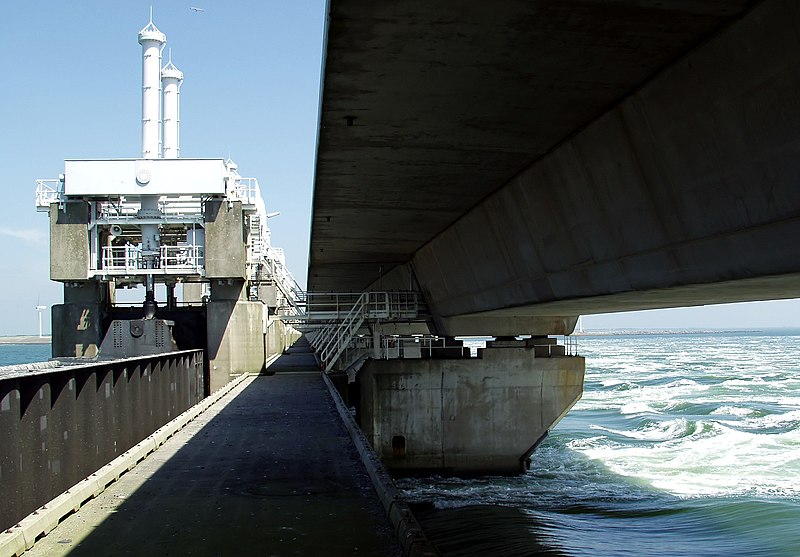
[128, 259]
[339, 337]
[47, 192]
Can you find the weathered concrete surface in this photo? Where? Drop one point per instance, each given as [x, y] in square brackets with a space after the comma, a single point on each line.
[69, 241]
[192, 292]
[225, 255]
[451, 100]
[683, 194]
[645, 156]
[234, 334]
[269, 471]
[279, 337]
[466, 415]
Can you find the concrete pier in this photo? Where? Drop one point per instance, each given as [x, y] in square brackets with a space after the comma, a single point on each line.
[268, 470]
[468, 415]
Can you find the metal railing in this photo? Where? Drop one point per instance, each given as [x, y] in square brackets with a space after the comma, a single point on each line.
[47, 192]
[334, 306]
[246, 190]
[343, 313]
[130, 259]
[333, 339]
[173, 209]
[270, 269]
[570, 345]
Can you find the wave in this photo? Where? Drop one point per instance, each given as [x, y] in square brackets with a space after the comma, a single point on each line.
[679, 446]
[733, 411]
[770, 423]
[669, 430]
[704, 459]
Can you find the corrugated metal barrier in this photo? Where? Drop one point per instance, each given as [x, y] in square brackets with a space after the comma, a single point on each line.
[59, 425]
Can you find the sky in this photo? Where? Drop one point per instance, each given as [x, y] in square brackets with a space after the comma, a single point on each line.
[72, 89]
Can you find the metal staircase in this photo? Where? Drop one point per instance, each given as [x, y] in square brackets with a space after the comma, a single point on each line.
[332, 320]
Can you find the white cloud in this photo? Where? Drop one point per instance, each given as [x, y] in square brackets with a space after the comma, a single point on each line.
[30, 235]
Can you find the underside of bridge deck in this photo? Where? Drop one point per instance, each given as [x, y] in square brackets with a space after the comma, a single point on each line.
[556, 158]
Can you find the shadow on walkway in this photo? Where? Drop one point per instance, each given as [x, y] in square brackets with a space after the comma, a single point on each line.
[298, 358]
[274, 472]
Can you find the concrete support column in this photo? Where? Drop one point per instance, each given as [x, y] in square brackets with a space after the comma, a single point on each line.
[193, 292]
[235, 332]
[468, 415]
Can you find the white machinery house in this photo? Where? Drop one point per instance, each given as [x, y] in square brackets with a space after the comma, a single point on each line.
[146, 218]
[164, 220]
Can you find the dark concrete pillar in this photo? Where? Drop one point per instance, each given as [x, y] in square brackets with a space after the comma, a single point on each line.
[79, 323]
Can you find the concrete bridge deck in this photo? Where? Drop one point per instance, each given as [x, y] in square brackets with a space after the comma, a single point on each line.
[268, 470]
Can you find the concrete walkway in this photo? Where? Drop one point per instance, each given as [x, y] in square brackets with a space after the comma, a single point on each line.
[269, 470]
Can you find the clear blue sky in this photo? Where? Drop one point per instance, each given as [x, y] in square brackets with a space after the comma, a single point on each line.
[72, 90]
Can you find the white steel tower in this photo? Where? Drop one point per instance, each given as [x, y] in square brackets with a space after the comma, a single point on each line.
[171, 79]
[152, 41]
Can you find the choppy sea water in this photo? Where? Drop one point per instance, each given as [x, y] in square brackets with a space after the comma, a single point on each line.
[682, 445]
[12, 354]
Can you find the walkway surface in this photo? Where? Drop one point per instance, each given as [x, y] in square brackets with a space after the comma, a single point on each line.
[268, 470]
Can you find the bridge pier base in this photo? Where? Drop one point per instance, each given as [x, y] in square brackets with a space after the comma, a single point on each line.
[235, 329]
[470, 415]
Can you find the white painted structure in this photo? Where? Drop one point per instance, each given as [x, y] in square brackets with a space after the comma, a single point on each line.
[171, 78]
[137, 177]
[152, 41]
[147, 215]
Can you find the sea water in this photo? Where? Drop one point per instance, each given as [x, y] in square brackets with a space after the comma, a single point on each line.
[12, 354]
[683, 444]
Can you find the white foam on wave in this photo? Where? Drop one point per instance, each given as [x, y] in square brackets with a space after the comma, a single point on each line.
[746, 384]
[668, 430]
[733, 411]
[639, 399]
[721, 462]
[771, 421]
[749, 441]
[614, 382]
[635, 408]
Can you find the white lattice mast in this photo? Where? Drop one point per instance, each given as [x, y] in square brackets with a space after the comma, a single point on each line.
[171, 80]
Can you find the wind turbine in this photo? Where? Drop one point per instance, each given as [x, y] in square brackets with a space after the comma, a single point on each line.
[40, 309]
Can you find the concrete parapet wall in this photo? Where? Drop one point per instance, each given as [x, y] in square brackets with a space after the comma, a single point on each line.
[57, 426]
[466, 415]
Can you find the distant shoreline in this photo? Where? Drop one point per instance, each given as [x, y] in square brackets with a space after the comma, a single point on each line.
[632, 332]
[25, 339]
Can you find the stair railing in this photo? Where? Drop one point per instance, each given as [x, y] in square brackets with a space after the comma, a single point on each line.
[334, 338]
